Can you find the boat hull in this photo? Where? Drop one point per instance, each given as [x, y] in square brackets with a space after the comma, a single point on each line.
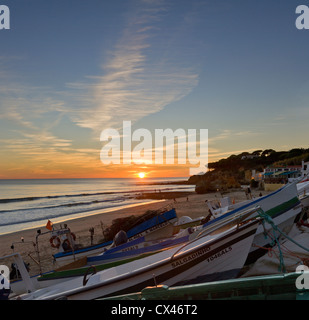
[202, 257]
[282, 206]
[269, 287]
[304, 200]
[152, 228]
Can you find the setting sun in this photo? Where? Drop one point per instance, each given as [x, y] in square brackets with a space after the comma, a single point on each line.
[141, 175]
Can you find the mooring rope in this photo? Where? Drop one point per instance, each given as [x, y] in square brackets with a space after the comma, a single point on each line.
[275, 228]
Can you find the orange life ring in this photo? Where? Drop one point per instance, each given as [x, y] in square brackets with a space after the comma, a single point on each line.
[53, 244]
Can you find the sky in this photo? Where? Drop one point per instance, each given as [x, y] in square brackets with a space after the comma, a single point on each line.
[72, 69]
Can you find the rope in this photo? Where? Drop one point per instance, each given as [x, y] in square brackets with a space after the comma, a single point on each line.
[275, 240]
[291, 253]
[270, 251]
[275, 228]
[286, 253]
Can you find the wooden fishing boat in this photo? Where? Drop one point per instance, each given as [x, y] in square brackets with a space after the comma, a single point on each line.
[127, 252]
[136, 249]
[268, 287]
[212, 256]
[150, 227]
[282, 205]
[133, 250]
[303, 192]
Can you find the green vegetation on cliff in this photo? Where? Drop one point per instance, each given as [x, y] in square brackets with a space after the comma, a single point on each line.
[236, 169]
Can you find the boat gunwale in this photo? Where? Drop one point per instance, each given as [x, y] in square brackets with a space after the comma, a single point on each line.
[165, 261]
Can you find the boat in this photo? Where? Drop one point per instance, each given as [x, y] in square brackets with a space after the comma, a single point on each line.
[303, 192]
[127, 252]
[282, 205]
[208, 257]
[136, 249]
[267, 287]
[185, 222]
[26, 282]
[153, 227]
[130, 251]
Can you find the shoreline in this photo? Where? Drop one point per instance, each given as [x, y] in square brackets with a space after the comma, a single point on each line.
[80, 226]
[192, 205]
[165, 195]
[79, 215]
[149, 197]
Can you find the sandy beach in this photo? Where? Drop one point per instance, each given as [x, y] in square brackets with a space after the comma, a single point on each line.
[192, 205]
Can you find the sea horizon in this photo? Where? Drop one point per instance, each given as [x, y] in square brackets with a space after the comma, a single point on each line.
[136, 178]
[30, 203]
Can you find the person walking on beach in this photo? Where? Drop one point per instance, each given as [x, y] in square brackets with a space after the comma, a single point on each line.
[249, 193]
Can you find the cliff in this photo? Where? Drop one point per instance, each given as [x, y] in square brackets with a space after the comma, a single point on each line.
[236, 170]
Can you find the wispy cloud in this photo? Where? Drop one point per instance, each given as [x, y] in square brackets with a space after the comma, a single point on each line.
[142, 75]
[215, 154]
[21, 102]
[29, 113]
[134, 83]
[228, 134]
[221, 144]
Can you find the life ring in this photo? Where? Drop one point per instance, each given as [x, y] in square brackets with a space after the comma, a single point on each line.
[53, 243]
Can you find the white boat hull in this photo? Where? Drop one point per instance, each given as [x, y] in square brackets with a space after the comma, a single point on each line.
[304, 200]
[282, 206]
[202, 258]
[163, 229]
[283, 222]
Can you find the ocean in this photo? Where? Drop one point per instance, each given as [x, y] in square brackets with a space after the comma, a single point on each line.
[30, 203]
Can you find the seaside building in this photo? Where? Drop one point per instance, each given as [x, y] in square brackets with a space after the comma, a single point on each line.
[274, 177]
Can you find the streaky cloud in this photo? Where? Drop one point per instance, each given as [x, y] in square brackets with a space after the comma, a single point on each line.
[134, 83]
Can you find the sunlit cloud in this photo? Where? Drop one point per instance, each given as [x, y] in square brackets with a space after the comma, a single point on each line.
[218, 144]
[134, 84]
[228, 134]
[215, 154]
